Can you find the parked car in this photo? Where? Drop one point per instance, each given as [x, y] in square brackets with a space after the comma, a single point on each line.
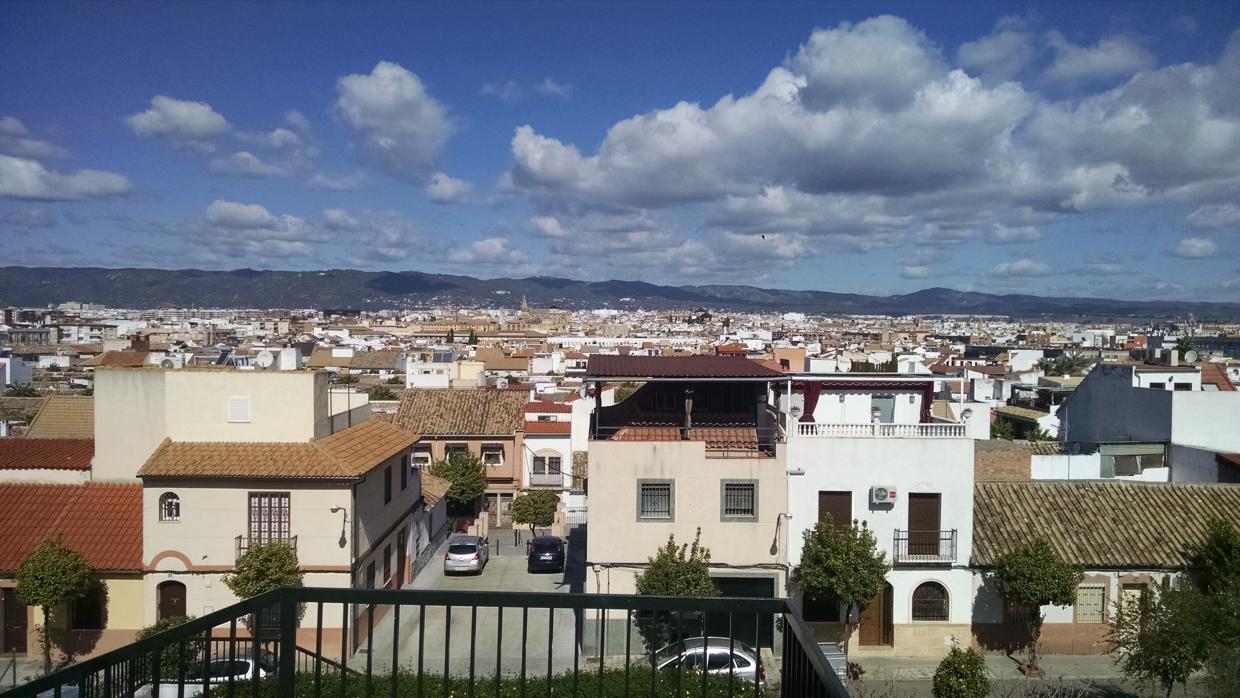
[743, 662]
[219, 671]
[466, 554]
[546, 553]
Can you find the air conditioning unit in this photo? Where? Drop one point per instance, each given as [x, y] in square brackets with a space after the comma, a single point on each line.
[882, 494]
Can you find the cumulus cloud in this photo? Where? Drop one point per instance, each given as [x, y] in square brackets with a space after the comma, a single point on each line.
[443, 189]
[549, 226]
[238, 216]
[1196, 248]
[1021, 267]
[916, 271]
[487, 252]
[396, 122]
[1112, 57]
[1002, 234]
[246, 164]
[1001, 55]
[186, 123]
[507, 91]
[1216, 216]
[551, 88]
[16, 140]
[22, 178]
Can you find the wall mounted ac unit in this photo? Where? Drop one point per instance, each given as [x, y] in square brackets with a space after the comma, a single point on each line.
[882, 494]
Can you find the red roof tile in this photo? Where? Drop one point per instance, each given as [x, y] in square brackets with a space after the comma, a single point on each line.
[1214, 374]
[615, 366]
[541, 407]
[548, 428]
[46, 454]
[103, 521]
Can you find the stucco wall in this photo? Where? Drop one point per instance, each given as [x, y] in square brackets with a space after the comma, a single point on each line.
[1106, 408]
[1206, 420]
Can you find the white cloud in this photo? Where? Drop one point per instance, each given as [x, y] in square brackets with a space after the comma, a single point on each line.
[1216, 216]
[1196, 248]
[339, 219]
[29, 219]
[246, 164]
[184, 122]
[1002, 234]
[507, 91]
[488, 252]
[347, 182]
[397, 123]
[1021, 267]
[238, 216]
[15, 140]
[551, 88]
[21, 178]
[1112, 57]
[1002, 55]
[444, 189]
[549, 226]
[916, 271]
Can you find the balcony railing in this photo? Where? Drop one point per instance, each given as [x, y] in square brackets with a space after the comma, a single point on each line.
[480, 643]
[879, 430]
[925, 547]
[547, 480]
[243, 544]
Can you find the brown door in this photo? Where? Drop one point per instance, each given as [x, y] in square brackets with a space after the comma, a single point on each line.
[838, 505]
[14, 611]
[923, 524]
[874, 626]
[171, 600]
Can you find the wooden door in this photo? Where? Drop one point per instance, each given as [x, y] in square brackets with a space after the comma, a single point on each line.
[923, 524]
[171, 600]
[838, 505]
[14, 611]
[874, 626]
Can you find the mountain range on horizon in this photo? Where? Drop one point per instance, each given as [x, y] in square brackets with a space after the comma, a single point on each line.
[373, 290]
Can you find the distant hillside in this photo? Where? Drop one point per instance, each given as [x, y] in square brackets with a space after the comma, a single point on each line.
[345, 288]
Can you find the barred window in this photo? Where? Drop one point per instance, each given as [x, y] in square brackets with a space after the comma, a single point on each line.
[739, 499]
[169, 507]
[930, 602]
[654, 500]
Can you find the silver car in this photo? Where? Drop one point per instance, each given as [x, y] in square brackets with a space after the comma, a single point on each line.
[466, 554]
[742, 661]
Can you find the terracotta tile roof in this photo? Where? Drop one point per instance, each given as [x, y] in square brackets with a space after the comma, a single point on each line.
[381, 360]
[1099, 524]
[1214, 374]
[434, 488]
[1021, 412]
[124, 359]
[64, 417]
[103, 521]
[20, 408]
[346, 454]
[548, 428]
[543, 407]
[616, 366]
[46, 454]
[322, 358]
[457, 412]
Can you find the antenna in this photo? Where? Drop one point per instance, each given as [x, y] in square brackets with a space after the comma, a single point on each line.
[264, 359]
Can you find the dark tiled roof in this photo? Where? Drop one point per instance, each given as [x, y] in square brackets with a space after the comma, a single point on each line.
[548, 407]
[64, 417]
[1099, 524]
[20, 408]
[548, 428]
[615, 366]
[381, 360]
[456, 412]
[46, 454]
[101, 521]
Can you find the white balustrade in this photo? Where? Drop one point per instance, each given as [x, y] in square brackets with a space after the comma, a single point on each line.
[881, 431]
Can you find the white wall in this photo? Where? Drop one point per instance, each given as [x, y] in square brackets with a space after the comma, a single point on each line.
[1206, 420]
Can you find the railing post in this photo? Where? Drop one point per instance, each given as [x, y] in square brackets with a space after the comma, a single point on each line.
[288, 645]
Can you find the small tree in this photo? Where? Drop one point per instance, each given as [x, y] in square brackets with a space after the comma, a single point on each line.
[21, 390]
[843, 563]
[1002, 429]
[468, 477]
[961, 674]
[175, 655]
[1164, 639]
[51, 576]
[1216, 561]
[451, 338]
[1032, 576]
[263, 568]
[473, 337]
[382, 392]
[535, 509]
[675, 570]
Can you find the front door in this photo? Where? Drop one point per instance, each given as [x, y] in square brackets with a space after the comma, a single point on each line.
[171, 600]
[14, 611]
[874, 625]
[923, 523]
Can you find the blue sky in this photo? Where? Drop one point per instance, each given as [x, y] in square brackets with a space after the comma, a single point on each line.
[1078, 148]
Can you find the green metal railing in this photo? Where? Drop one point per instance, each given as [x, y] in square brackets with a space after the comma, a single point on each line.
[351, 643]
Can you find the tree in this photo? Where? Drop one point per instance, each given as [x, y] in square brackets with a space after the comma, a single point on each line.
[174, 655]
[51, 576]
[1002, 429]
[347, 379]
[1038, 434]
[675, 570]
[382, 392]
[961, 674]
[1183, 345]
[21, 390]
[473, 337]
[451, 338]
[842, 563]
[1215, 567]
[468, 477]
[535, 509]
[1066, 364]
[1164, 639]
[1216, 560]
[1032, 576]
[262, 568]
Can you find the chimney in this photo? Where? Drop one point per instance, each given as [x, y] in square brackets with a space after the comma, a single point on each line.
[1173, 357]
[140, 342]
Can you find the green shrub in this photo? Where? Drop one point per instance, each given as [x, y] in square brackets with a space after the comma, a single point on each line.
[173, 656]
[961, 674]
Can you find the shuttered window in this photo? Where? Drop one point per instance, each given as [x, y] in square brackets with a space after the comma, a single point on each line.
[239, 408]
[838, 505]
[1091, 604]
[269, 517]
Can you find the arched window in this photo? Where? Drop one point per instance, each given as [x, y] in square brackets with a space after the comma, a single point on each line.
[169, 507]
[930, 602]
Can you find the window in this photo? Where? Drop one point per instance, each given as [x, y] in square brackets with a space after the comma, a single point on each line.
[1183, 386]
[404, 473]
[655, 500]
[545, 418]
[387, 484]
[492, 455]
[664, 400]
[837, 505]
[269, 517]
[739, 500]
[86, 613]
[540, 465]
[370, 575]
[930, 602]
[422, 456]
[455, 448]
[553, 465]
[387, 564]
[1130, 596]
[169, 507]
[239, 408]
[1091, 603]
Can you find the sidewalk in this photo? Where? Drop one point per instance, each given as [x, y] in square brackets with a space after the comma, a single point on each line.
[1068, 667]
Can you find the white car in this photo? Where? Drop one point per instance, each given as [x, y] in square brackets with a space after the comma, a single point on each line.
[218, 672]
[466, 554]
[722, 657]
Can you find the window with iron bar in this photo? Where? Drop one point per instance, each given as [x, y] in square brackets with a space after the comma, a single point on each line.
[739, 500]
[655, 500]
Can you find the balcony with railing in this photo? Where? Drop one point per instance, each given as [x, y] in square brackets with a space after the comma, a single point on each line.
[479, 643]
[242, 544]
[924, 547]
[880, 430]
[554, 480]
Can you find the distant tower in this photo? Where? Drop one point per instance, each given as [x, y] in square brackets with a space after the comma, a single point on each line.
[525, 306]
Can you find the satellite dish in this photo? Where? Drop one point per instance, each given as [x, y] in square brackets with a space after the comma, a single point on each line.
[264, 359]
[167, 363]
[502, 384]
[1190, 356]
[583, 391]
